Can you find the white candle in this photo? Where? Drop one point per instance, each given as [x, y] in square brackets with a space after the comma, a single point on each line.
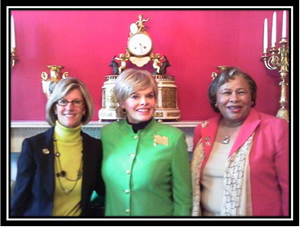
[12, 33]
[265, 47]
[274, 30]
[284, 24]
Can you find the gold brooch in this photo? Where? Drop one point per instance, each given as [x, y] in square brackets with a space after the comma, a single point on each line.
[204, 124]
[163, 140]
[46, 151]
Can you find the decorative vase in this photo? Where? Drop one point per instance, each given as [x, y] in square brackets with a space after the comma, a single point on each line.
[49, 82]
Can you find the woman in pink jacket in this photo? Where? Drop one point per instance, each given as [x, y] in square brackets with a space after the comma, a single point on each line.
[240, 164]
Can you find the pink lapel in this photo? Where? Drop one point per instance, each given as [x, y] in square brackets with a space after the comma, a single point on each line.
[248, 127]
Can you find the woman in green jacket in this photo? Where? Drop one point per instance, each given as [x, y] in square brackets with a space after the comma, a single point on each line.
[145, 165]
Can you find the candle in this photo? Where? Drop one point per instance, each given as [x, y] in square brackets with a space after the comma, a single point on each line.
[265, 47]
[274, 30]
[284, 24]
[12, 34]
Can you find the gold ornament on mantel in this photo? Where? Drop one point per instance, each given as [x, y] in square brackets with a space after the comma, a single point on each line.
[48, 83]
[220, 67]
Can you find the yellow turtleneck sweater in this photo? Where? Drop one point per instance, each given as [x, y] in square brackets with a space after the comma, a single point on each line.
[69, 144]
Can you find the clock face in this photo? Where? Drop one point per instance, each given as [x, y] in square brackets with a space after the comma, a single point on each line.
[139, 44]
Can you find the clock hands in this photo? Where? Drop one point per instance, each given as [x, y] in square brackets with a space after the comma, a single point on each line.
[141, 46]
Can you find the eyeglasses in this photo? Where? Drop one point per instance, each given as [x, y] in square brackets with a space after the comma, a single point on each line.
[76, 102]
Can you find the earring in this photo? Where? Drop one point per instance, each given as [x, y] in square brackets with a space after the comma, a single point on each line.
[216, 105]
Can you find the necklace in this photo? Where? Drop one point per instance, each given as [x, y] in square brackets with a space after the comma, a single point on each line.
[226, 140]
[62, 173]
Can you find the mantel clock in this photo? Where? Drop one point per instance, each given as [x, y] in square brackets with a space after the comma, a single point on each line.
[139, 44]
[139, 51]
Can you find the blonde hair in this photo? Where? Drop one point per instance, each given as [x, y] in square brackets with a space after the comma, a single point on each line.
[131, 81]
[61, 89]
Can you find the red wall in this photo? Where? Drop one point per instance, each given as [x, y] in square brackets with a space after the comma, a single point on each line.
[194, 41]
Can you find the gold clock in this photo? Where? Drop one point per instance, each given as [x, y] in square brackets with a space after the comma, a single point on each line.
[139, 44]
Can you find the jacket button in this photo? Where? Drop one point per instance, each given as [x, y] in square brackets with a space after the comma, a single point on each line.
[127, 211]
[127, 191]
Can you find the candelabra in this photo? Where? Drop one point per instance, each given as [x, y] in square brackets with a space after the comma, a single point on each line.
[13, 51]
[13, 57]
[278, 59]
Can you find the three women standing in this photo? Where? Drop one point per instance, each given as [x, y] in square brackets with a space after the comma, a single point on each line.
[240, 164]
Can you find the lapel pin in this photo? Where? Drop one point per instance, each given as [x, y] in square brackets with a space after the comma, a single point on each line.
[204, 124]
[46, 151]
[163, 140]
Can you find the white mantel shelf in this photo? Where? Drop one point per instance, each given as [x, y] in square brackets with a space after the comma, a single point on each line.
[24, 129]
[95, 124]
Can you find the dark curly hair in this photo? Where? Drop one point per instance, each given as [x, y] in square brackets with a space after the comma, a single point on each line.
[227, 74]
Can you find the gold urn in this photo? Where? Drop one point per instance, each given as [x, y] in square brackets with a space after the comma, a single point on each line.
[49, 82]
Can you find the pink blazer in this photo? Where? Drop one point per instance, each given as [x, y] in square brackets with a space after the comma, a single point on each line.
[269, 160]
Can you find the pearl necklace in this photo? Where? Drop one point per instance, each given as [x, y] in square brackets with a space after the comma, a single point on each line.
[62, 173]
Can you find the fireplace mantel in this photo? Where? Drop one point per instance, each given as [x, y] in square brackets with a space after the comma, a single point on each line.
[22, 129]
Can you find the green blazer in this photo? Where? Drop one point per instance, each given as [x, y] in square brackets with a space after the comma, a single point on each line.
[146, 173]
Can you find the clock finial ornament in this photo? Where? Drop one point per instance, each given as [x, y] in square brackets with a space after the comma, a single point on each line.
[140, 23]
